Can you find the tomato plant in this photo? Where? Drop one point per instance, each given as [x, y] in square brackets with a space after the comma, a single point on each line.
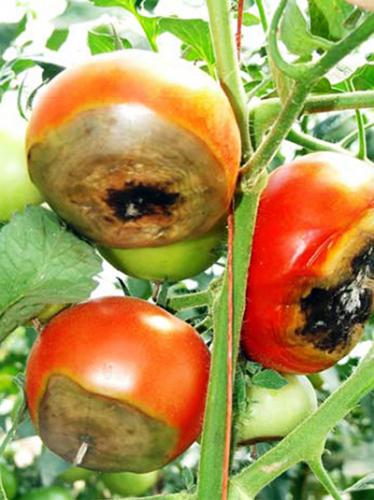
[173, 262]
[73, 474]
[130, 484]
[188, 114]
[310, 280]
[117, 367]
[17, 190]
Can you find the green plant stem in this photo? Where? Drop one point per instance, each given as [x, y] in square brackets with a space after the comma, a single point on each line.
[295, 71]
[295, 102]
[281, 127]
[307, 441]
[322, 475]
[227, 66]
[262, 14]
[362, 152]
[190, 300]
[312, 143]
[348, 139]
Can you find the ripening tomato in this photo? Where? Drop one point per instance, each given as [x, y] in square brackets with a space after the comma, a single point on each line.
[143, 150]
[310, 283]
[16, 188]
[274, 413]
[118, 382]
[364, 4]
[173, 262]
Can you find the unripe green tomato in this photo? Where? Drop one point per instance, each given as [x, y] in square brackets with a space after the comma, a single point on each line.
[16, 188]
[129, 483]
[273, 413]
[72, 474]
[173, 262]
[9, 481]
[48, 493]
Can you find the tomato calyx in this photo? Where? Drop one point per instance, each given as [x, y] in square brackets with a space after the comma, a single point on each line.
[331, 314]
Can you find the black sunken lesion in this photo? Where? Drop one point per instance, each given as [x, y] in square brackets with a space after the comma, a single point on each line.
[331, 314]
[134, 201]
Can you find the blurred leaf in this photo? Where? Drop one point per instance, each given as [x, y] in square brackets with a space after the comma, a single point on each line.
[147, 4]
[9, 32]
[327, 18]
[41, 263]
[366, 483]
[295, 33]
[50, 466]
[57, 39]
[125, 4]
[76, 12]
[101, 39]
[250, 19]
[139, 288]
[194, 33]
[269, 379]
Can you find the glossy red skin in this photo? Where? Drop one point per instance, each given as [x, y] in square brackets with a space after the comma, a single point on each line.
[304, 210]
[157, 362]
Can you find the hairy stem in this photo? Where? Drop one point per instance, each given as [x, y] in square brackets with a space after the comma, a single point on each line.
[312, 143]
[227, 66]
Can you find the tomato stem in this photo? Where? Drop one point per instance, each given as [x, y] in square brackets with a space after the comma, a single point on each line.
[312, 143]
[362, 151]
[239, 23]
[262, 14]
[227, 66]
[322, 475]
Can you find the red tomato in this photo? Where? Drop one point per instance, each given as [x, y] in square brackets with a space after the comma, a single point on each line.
[124, 377]
[310, 284]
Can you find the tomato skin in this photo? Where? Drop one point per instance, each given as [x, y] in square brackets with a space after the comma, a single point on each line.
[314, 218]
[363, 4]
[173, 262]
[48, 493]
[167, 168]
[9, 481]
[274, 413]
[127, 351]
[130, 484]
[17, 190]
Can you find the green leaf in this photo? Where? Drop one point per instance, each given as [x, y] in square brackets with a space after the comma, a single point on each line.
[139, 288]
[269, 379]
[125, 4]
[295, 33]
[327, 18]
[57, 39]
[101, 39]
[194, 33]
[76, 12]
[366, 483]
[9, 32]
[41, 263]
[250, 19]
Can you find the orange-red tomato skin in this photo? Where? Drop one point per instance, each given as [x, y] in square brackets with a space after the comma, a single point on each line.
[307, 206]
[129, 350]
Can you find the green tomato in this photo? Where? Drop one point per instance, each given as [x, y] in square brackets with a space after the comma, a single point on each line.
[129, 483]
[16, 188]
[72, 474]
[48, 493]
[273, 413]
[9, 481]
[174, 262]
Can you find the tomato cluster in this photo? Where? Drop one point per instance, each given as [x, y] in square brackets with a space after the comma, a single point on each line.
[141, 156]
